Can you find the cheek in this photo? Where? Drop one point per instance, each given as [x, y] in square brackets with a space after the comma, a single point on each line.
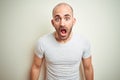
[70, 25]
[55, 24]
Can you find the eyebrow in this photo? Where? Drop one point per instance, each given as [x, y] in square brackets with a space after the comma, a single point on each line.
[66, 15]
[57, 16]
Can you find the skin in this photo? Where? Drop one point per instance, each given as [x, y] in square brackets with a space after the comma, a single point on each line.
[36, 67]
[62, 20]
[88, 68]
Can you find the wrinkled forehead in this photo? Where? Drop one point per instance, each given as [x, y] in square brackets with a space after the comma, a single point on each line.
[62, 7]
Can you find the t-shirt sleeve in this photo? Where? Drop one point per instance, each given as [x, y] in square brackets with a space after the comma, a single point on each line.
[87, 49]
[39, 49]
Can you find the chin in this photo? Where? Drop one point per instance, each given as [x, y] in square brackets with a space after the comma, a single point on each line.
[64, 38]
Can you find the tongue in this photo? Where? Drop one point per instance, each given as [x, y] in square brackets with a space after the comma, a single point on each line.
[63, 31]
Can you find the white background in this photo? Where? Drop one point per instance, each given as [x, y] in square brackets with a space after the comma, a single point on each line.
[22, 22]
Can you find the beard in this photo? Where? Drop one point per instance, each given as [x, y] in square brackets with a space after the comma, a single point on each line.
[63, 33]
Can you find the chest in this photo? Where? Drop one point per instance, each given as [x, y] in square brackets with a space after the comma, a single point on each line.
[70, 54]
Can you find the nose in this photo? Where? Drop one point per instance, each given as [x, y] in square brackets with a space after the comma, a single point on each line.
[62, 22]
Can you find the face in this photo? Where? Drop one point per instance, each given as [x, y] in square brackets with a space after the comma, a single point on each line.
[63, 21]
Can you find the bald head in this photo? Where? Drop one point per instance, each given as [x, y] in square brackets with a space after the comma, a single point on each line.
[62, 4]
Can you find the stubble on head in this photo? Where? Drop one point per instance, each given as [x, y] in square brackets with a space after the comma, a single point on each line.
[60, 4]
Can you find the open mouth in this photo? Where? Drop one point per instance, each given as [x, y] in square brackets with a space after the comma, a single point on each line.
[63, 31]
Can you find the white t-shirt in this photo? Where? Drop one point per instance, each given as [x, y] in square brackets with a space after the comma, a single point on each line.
[62, 60]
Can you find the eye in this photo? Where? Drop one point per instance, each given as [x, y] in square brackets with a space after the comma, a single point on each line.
[57, 19]
[67, 18]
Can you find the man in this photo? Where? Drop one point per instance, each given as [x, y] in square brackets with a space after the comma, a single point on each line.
[62, 50]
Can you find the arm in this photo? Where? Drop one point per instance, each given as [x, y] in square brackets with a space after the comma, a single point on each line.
[36, 66]
[88, 68]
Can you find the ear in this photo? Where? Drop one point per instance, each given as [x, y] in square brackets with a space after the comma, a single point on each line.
[52, 22]
[74, 20]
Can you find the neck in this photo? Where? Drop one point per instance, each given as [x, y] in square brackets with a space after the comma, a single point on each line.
[62, 40]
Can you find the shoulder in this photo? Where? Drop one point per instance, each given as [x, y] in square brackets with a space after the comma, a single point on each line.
[81, 38]
[45, 37]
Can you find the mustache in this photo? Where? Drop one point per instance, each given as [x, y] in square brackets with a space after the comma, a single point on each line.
[62, 27]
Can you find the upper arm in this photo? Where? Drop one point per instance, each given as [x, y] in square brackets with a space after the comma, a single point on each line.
[38, 53]
[88, 68]
[36, 66]
[87, 62]
[37, 62]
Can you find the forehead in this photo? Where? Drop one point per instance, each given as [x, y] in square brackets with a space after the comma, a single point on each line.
[62, 10]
